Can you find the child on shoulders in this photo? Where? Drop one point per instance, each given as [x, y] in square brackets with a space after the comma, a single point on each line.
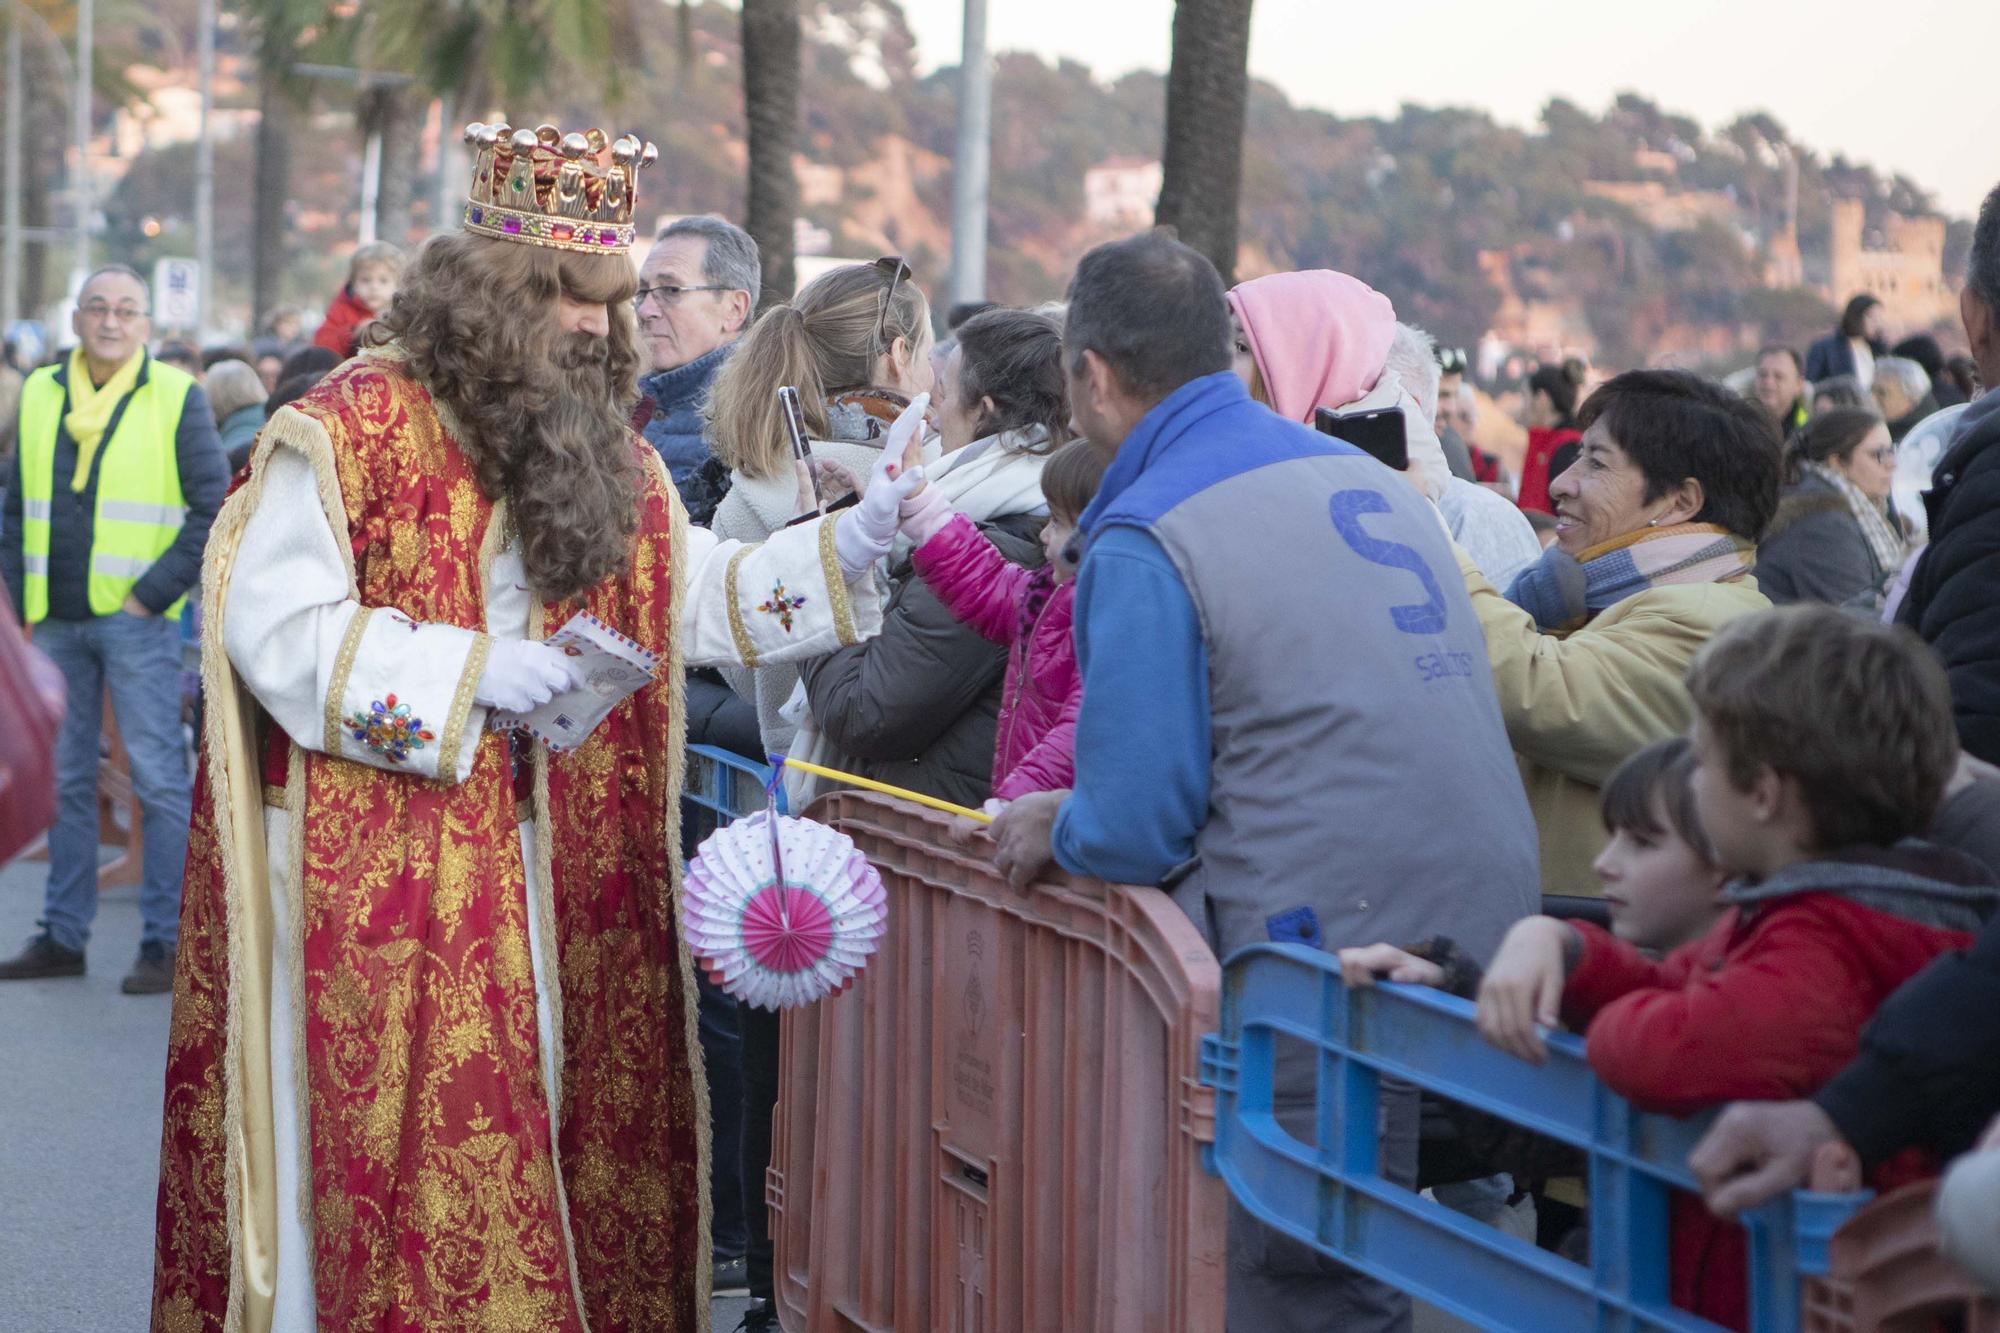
[372, 277]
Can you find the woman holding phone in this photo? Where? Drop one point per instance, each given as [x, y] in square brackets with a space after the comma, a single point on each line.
[855, 345]
[1324, 348]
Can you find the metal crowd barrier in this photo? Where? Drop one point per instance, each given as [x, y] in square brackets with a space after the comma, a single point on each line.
[726, 784]
[1333, 1197]
[840, 1261]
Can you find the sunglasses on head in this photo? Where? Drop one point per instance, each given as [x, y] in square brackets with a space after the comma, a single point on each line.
[897, 270]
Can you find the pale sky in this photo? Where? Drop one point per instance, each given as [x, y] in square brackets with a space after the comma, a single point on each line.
[1905, 87]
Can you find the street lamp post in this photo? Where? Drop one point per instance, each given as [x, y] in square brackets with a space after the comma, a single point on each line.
[971, 160]
[84, 39]
[10, 258]
[204, 181]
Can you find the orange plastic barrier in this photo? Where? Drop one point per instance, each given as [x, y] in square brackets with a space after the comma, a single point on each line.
[1000, 1127]
[1888, 1273]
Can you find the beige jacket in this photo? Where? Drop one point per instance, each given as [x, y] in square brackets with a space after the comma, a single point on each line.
[1580, 704]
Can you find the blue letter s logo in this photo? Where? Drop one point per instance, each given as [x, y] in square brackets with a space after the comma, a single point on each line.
[1426, 617]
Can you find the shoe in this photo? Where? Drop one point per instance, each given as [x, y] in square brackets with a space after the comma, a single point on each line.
[761, 1317]
[732, 1278]
[153, 974]
[42, 958]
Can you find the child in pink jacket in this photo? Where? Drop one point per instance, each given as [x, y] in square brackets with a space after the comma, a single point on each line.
[1026, 609]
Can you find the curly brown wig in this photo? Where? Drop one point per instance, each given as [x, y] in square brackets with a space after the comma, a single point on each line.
[545, 416]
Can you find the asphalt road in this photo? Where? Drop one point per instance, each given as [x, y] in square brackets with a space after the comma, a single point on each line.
[80, 1072]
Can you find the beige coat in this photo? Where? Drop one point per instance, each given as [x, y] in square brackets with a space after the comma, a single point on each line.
[1580, 704]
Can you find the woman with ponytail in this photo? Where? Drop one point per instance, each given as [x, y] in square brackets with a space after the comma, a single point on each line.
[1833, 538]
[1552, 434]
[856, 345]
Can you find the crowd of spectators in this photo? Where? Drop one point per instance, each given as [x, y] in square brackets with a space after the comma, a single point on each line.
[1153, 610]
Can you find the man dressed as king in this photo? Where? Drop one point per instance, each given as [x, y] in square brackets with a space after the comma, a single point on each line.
[433, 1061]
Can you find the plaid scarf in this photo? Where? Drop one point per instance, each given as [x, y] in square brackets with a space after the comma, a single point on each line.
[1562, 592]
[1883, 541]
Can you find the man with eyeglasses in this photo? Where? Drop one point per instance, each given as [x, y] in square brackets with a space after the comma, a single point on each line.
[117, 477]
[697, 292]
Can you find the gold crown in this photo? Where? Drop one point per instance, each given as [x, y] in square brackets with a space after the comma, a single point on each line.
[543, 187]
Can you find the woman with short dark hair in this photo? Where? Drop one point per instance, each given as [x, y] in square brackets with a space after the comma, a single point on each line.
[1833, 538]
[1657, 524]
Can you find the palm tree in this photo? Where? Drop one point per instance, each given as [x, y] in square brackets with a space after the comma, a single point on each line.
[476, 57]
[771, 117]
[394, 114]
[1208, 87]
[282, 27]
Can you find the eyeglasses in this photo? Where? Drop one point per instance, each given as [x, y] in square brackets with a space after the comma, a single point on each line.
[1451, 361]
[670, 295]
[897, 270]
[98, 312]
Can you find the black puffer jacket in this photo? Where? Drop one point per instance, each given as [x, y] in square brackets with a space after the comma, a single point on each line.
[917, 705]
[1954, 598]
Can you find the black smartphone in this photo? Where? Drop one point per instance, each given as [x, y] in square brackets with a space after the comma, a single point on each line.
[795, 429]
[1381, 433]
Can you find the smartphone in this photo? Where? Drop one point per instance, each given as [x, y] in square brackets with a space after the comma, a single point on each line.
[795, 428]
[1380, 434]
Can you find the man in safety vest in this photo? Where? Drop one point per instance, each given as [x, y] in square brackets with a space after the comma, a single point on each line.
[117, 475]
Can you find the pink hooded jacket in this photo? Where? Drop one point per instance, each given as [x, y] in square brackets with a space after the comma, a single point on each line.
[1320, 338]
[1035, 744]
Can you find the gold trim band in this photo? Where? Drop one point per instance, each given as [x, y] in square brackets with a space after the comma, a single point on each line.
[343, 668]
[746, 647]
[533, 228]
[461, 707]
[836, 584]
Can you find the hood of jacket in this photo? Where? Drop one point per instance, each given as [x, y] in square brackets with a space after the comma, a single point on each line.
[1320, 338]
[1915, 880]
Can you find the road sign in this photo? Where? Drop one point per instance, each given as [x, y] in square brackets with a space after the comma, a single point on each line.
[176, 299]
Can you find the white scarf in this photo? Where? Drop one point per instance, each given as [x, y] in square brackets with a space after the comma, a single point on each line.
[988, 479]
[1888, 548]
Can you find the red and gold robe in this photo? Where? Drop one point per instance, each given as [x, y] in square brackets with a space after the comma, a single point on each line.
[443, 1181]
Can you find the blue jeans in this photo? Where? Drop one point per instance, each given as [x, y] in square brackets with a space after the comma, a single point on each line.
[138, 660]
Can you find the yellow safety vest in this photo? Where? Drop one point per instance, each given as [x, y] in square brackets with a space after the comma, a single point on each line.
[139, 504]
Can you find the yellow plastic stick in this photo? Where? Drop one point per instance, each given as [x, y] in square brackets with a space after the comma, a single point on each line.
[855, 780]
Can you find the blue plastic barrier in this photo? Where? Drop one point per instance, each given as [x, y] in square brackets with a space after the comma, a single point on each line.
[1334, 1198]
[726, 783]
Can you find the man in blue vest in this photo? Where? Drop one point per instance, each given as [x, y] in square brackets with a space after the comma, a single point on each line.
[1287, 715]
[117, 475]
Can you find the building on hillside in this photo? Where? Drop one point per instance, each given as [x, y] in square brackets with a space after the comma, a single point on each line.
[1663, 209]
[1119, 195]
[1905, 272]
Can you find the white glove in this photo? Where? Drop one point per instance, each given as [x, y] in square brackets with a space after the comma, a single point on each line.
[864, 533]
[522, 675]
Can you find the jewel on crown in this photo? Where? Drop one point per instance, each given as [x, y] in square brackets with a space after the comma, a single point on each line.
[574, 191]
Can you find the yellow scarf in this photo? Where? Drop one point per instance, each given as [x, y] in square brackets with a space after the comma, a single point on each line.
[91, 406]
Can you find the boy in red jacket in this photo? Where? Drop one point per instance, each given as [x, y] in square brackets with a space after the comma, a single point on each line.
[1822, 742]
[372, 276]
